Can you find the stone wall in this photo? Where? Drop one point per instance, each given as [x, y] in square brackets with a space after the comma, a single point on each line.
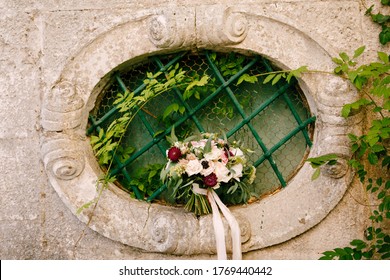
[39, 38]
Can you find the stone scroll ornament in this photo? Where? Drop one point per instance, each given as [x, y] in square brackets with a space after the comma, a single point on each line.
[205, 173]
[63, 107]
[168, 30]
[61, 114]
[227, 28]
[63, 158]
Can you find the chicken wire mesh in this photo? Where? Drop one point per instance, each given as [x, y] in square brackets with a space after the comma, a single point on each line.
[279, 144]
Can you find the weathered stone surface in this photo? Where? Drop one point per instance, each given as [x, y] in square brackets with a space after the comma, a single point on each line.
[39, 40]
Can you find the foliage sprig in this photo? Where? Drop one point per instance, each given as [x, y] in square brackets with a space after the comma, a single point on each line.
[370, 149]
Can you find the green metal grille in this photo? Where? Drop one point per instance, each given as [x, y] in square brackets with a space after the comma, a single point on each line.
[273, 121]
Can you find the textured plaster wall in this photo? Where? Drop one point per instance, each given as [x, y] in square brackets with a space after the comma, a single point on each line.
[38, 37]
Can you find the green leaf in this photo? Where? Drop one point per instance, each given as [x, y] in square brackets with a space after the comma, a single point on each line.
[337, 60]
[373, 158]
[355, 106]
[157, 133]
[380, 18]
[316, 174]
[94, 139]
[357, 255]
[382, 194]
[344, 57]
[328, 255]
[276, 79]
[340, 251]
[359, 51]
[385, 2]
[174, 107]
[383, 57]
[384, 36]
[207, 147]
[385, 256]
[321, 160]
[173, 136]
[338, 70]
[85, 206]
[359, 244]
[247, 78]
[269, 78]
[203, 81]
[346, 110]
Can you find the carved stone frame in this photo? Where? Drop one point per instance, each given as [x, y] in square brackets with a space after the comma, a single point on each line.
[73, 170]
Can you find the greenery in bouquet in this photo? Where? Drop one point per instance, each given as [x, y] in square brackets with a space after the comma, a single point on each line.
[205, 163]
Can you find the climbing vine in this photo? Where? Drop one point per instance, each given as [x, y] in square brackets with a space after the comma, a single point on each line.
[106, 142]
[370, 151]
[382, 20]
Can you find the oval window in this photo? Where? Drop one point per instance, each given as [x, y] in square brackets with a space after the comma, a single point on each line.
[231, 94]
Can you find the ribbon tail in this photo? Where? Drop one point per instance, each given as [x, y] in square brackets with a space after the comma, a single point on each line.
[234, 227]
[219, 230]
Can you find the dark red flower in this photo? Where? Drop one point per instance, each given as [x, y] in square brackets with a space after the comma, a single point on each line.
[174, 154]
[210, 180]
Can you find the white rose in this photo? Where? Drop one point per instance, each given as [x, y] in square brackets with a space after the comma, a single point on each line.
[215, 154]
[237, 152]
[193, 167]
[223, 174]
[236, 171]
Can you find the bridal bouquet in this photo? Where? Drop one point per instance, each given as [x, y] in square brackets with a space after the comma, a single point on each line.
[205, 164]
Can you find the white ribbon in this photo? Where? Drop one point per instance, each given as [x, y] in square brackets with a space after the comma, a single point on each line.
[219, 230]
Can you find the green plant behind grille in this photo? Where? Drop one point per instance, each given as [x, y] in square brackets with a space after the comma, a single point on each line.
[207, 92]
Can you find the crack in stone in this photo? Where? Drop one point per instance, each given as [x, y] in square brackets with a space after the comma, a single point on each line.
[147, 218]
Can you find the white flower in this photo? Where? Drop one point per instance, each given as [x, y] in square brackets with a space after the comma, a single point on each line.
[183, 148]
[199, 144]
[215, 154]
[236, 171]
[208, 167]
[193, 167]
[237, 152]
[223, 174]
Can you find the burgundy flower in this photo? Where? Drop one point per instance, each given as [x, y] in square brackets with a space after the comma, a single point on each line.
[174, 154]
[210, 180]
